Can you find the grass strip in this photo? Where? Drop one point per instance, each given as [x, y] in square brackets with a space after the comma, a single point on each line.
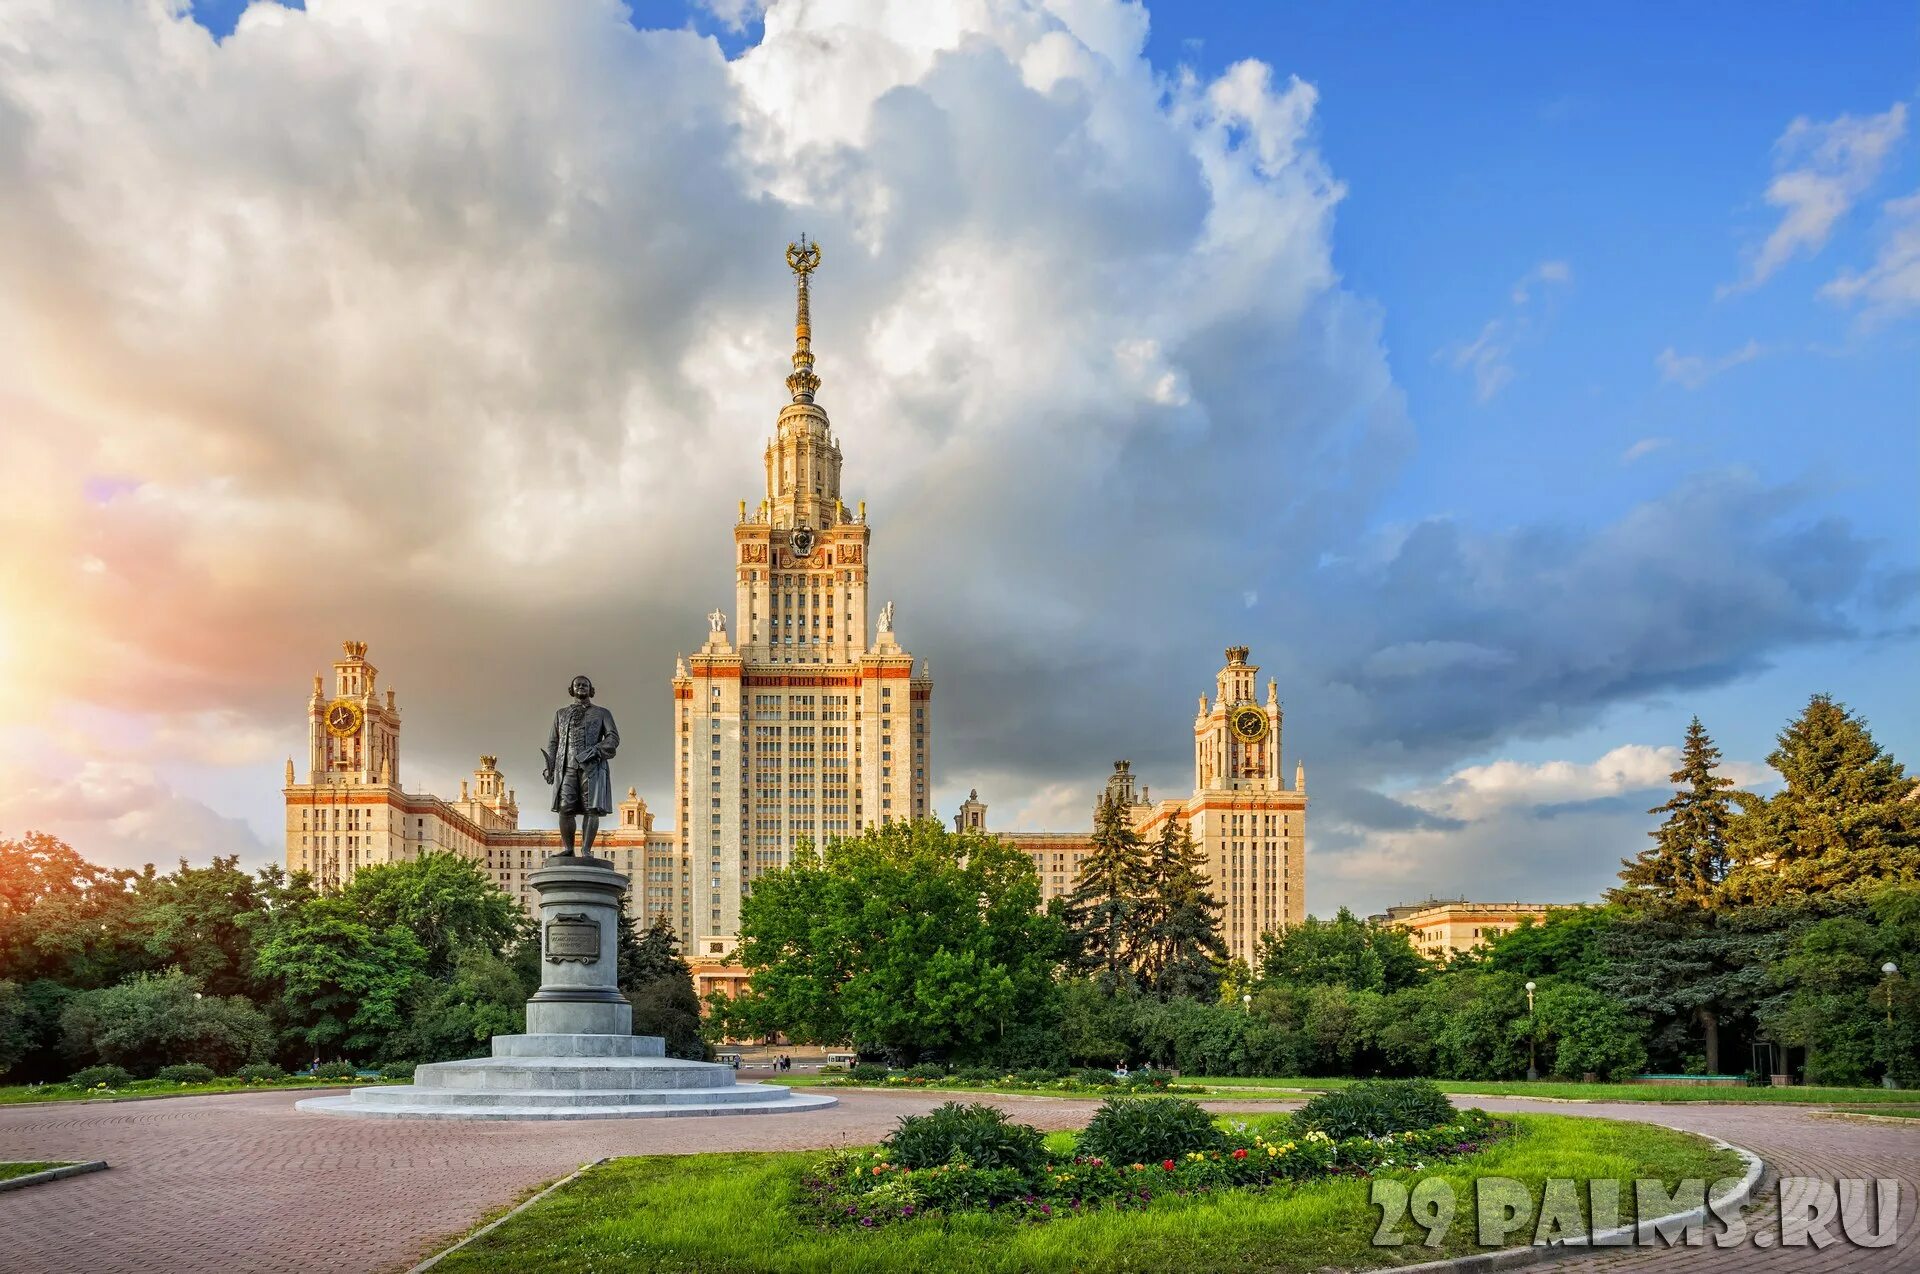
[736, 1212]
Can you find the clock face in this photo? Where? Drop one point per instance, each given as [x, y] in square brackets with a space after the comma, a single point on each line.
[801, 541]
[1250, 723]
[343, 717]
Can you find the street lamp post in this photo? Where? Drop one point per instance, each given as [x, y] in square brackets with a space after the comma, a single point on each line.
[1888, 972]
[1246, 1001]
[1533, 1068]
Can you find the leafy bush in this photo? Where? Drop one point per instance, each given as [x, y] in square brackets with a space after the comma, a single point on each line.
[976, 1135]
[976, 1074]
[397, 1070]
[927, 1070]
[964, 1189]
[260, 1073]
[335, 1070]
[1094, 1077]
[1040, 1074]
[187, 1073]
[1374, 1108]
[1148, 1130]
[148, 1021]
[94, 1076]
[868, 1073]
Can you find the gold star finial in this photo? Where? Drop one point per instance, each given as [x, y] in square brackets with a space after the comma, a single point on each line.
[803, 258]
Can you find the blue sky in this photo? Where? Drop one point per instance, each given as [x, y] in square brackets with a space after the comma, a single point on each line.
[1554, 435]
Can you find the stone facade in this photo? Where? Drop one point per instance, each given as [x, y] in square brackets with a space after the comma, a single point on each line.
[351, 811]
[1251, 827]
[1442, 926]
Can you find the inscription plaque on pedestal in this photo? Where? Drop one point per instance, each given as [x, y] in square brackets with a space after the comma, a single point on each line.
[573, 938]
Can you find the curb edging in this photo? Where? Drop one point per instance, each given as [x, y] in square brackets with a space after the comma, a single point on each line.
[1621, 1238]
[504, 1217]
[52, 1174]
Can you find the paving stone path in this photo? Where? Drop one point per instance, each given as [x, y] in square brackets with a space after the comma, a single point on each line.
[247, 1183]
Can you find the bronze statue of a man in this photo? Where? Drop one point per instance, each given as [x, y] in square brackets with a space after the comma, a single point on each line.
[583, 741]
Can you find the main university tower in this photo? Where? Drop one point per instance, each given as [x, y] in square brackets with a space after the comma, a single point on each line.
[797, 726]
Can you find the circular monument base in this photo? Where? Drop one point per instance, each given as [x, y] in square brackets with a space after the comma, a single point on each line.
[555, 1076]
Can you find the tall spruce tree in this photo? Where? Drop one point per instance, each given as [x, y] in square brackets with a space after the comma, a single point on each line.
[1106, 898]
[1687, 861]
[1841, 820]
[1181, 952]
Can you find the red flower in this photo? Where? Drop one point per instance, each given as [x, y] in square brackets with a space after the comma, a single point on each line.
[1240, 1153]
[1167, 1164]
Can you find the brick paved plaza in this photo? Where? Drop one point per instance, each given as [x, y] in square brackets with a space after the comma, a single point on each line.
[246, 1182]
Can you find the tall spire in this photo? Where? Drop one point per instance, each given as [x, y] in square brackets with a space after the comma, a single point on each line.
[803, 258]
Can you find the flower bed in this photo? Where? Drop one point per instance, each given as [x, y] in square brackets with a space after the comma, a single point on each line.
[868, 1189]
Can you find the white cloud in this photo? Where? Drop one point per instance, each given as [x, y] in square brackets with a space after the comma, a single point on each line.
[1694, 370]
[1820, 171]
[1547, 272]
[122, 814]
[309, 332]
[1488, 357]
[1891, 285]
[1508, 830]
[1643, 448]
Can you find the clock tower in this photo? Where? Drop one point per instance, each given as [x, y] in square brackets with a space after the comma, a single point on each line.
[353, 735]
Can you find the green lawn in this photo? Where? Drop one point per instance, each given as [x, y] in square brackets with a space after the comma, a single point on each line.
[10, 1170]
[1274, 1088]
[735, 1212]
[1883, 1112]
[14, 1093]
[1598, 1092]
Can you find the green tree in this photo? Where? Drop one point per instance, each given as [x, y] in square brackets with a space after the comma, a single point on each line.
[16, 1026]
[1568, 942]
[1855, 1022]
[155, 1020]
[206, 921]
[1344, 951]
[342, 983]
[1840, 821]
[1692, 974]
[1583, 1031]
[453, 1018]
[444, 900]
[659, 985]
[64, 918]
[905, 937]
[1106, 897]
[1687, 861]
[1180, 949]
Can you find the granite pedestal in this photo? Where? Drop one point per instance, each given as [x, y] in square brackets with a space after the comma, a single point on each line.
[579, 1058]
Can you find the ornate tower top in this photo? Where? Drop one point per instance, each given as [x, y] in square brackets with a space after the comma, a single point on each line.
[354, 649]
[803, 258]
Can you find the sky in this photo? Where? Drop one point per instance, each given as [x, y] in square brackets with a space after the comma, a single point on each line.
[1515, 385]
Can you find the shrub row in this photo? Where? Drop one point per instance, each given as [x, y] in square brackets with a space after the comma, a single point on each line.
[1037, 1078]
[111, 1077]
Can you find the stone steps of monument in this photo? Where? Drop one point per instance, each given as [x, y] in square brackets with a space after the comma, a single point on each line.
[579, 1046]
[620, 1074]
[792, 1103]
[738, 1095]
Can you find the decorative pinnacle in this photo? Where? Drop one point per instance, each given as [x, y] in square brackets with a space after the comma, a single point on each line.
[803, 258]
